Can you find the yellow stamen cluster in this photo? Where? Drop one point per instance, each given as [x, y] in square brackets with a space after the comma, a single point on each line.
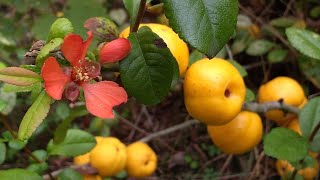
[80, 75]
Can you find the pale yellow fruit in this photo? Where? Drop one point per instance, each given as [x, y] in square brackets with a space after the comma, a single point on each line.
[109, 156]
[238, 136]
[141, 160]
[214, 91]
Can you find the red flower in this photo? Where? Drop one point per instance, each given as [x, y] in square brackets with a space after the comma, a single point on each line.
[100, 97]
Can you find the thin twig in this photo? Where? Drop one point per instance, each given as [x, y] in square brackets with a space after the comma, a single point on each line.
[229, 52]
[226, 163]
[264, 107]
[139, 16]
[169, 130]
[26, 149]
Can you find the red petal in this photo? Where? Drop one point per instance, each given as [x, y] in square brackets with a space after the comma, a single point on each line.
[54, 78]
[75, 49]
[102, 96]
[115, 50]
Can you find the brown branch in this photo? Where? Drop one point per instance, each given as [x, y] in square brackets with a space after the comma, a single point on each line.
[139, 16]
[264, 107]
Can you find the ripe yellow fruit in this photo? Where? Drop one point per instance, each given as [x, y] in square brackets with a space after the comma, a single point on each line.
[109, 156]
[309, 173]
[284, 88]
[85, 158]
[177, 46]
[92, 177]
[240, 135]
[141, 160]
[214, 91]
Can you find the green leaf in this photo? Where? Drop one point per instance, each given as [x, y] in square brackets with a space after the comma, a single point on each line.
[16, 144]
[7, 101]
[315, 12]
[75, 143]
[60, 28]
[62, 110]
[40, 154]
[205, 24]
[283, 22]
[147, 71]
[309, 118]
[13, 88]
[195, 56]
[311, 69]
[34, 116]
[39, 168]
[3, 151]
[133, 7]
[45, 51]
[249, 95]
[19, 76]
[36, 90]
[259, 47]
[241, 42]
[239, 67]
[19, 174]
[70, 174]
[277, 55]
[62, 129]
[307, 42]
[285, 144]
[31, 67]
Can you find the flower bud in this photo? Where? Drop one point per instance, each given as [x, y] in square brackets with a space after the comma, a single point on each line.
[114, 51]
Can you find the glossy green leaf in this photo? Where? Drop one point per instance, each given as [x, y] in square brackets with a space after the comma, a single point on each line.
[259, 47]
[34, 116]
[249, 95]
[70, 174]
[3, 151]
[311, 69]
[16, 144]
[277, 55]
[40, 154]
[45, 51]
[19, 76]
[285, 144]
[195, 56]
[239, 67]
[206, 25]
[147, 71]
[133, 7]
[13, 88]
[19, 174]
[62, 129]
[31, 67]
[75, 143]
[307, 42]
[39, 168]
[309, 118]
[60, 28]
